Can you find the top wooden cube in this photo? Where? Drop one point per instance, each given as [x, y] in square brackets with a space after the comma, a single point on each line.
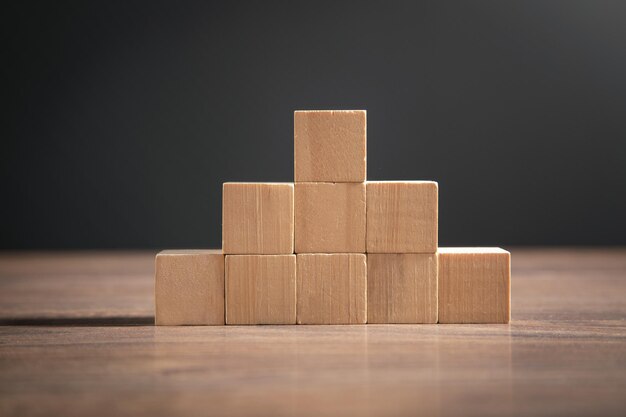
[330, 146]
[257, 218]
[402, 216]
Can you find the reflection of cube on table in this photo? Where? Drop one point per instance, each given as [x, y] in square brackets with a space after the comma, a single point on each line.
[257, 218]
[260, 289]
[332, 288]
[474, 285]
[330, 145]
[402, 288]
[330, 218]
[189, 287]
[402, 216]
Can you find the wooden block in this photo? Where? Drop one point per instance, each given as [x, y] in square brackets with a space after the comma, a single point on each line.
[189, 287]
[332, 288]
[330, 145]
[260, 289]
[330, 218]
[257, 218]
[402, 216]
[474, 285]
[402, 288]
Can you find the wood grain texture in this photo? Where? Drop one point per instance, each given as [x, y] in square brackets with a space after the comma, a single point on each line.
[474, 285]
[189, 287]
[332, 288]
[257, 218]
[77, 339]
[401, 288]
[330, 145]
[330, 218]
[260, 289]
[402, 217]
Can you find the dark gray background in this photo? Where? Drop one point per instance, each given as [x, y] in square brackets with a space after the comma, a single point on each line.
[124, 118]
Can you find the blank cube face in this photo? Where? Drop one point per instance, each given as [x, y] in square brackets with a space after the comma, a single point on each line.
[402, 288]
[330, 218]
[402, 217]
[257, 218]
[260, 289]
[474, 285]
[189, 288]
[330, 146]
[332, 289]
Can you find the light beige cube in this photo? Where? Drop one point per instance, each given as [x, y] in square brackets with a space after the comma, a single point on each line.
[330, 218]
[474, 285]
[260, 289]
[257, 218]
[332, 289]
[402, 216]
[189, 287]
[330, 145]
[401, 288]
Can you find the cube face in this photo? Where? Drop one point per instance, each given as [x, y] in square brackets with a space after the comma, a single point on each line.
[257, 218]
[402, 288]
[260, 289]
[474, 285]
[332, 289]
[402, 217]
[189, 288]
[330, 146]
[330, 218]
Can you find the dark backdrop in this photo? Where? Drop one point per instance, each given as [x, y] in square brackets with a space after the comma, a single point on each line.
[124, 118]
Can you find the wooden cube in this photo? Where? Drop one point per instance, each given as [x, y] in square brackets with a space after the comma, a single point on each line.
[257, 218]
[402, 288]
[189, 287]
[402, 217]
[330, 218]
[332, 288]
[330, 146]
[474, 285]
[260, 289]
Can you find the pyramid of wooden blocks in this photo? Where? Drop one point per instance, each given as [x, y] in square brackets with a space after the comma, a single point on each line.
[332, 248]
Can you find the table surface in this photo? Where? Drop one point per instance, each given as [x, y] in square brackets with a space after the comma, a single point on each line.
[76, 338]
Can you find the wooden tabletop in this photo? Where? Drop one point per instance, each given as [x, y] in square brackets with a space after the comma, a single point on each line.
[76, 339]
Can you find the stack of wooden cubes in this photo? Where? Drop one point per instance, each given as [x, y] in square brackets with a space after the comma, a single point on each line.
[331, 248]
